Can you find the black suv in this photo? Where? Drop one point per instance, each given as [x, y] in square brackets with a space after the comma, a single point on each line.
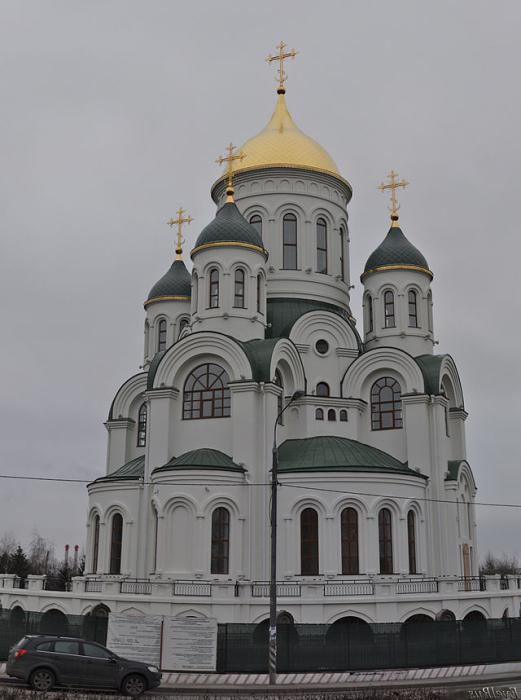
[45, 660]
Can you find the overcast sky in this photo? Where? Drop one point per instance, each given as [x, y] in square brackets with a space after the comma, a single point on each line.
[112, 113]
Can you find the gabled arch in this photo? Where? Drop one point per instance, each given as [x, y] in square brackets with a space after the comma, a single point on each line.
[286, 358]
[208, 344]
[449, 372]
[336, 329]
[417, 611]
[126, 395]
[379, 362]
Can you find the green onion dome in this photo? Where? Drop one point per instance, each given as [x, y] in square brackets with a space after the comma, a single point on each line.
[396, 252]
[175, 285]
[229, 228]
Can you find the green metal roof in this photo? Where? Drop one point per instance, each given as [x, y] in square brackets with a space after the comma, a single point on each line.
[175, 283]
[203, 458]
[229, 226]
[135, 469]
[430, 366]
[396, 249]
[283, 313]
[331, 453]
[153, 368]
[259, 354]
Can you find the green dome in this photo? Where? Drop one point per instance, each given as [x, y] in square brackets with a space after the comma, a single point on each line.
[396, 250]
[229, 227]
[202, 458]
[175, 283]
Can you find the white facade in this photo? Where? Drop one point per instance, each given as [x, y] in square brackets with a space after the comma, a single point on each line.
[376, 514]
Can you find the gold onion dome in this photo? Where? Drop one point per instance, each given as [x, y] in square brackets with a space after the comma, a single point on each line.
[282, 144]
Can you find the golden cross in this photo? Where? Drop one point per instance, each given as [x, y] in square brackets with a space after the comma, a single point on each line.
[180, 221]
[229, 159]
[393, 186]
[281, 57]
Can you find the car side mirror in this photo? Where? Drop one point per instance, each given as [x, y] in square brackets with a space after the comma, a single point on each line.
[113, 660]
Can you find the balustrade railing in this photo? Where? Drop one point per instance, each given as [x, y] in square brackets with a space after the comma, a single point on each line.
[422, 585]
[135, 587]
[192, 588]
[348, 588]
[261, 589]
[93, 586]
[472, 584]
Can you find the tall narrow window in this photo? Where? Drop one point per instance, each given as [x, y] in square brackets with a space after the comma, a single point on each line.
[385, 535]
[238, 299]
[370, 318]
[156, 532]
[322, 389]
[309, 542]
[319, 414]
[95, 545]
[161, 335]
[220, 541]
[349, 536]
[413, 309]
[116, 540]
[389, 320]
[342, 253]
[280, 397]
[331, 414]
[206, 393]
[214, 288]
[256, 222]
[321, 246]
[411, 539]
[289, 242]
[386, 404]
[429, 311]
[142, 426]
[183, 323]
[259, 294]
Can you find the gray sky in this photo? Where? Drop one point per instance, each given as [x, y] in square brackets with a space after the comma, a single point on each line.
[112, 114]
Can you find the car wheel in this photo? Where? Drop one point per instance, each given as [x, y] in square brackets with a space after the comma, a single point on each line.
[42, 679]
[134, 685]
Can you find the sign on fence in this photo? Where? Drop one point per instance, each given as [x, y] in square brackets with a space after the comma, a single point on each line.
[172, 643]
[189, 644]
[135, 637]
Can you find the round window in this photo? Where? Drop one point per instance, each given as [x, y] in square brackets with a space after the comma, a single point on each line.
[322, 346]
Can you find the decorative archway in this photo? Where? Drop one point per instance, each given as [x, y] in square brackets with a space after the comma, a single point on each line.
[54, 622]
[351, 639]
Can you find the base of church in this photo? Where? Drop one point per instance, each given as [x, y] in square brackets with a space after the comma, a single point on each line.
[306, 600]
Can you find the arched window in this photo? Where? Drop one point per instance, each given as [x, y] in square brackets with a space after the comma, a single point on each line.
[238, 299]
[280, 397]
[389, 320]
[214, 289]
[343, 416]
[385, 536]
[195, 292]
[370, 317]
[289, 242]
[413, 309]
[342, 253]
[429, 311]
[220, 541]
[331, 414]
[259, 294]
[309, 542]
[206, 393]
[142, 426]
[95, 544]
[411, 539]
[321, 246]
[156, 533]
[319, 414]
[322, 389]
[183, 323]
[349, 537]
[161, 335]
[116, 540]
[256, 222]
[386, 404]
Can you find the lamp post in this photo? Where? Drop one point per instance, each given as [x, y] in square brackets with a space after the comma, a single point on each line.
[272, 650]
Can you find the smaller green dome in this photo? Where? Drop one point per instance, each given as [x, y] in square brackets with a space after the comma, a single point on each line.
[175, 283]
[202, 458]
[229, 227]
[396, 251]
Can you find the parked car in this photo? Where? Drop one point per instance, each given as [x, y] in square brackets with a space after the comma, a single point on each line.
[44, 661]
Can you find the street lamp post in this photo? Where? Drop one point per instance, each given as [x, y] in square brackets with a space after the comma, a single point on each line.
[272, 658]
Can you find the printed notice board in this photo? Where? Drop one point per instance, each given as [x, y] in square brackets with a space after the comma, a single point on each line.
[189, 644]
[135, 637]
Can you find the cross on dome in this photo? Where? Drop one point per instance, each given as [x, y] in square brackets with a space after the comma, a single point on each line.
[393, 186]
[281, 57]
[180, 240]
[229, 160]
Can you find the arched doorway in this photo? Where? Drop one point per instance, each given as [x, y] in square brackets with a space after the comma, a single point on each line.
[95, 624]
[54, 622]
[287, 641]
[475, 647]
[350, 641]
[445, 615]
[416, 635]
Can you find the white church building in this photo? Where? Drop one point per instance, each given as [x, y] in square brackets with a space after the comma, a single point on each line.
[376, 515]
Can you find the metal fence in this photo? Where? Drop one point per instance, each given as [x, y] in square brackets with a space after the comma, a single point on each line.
[347, 645]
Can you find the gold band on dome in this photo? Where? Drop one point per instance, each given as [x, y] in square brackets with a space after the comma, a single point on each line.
[155, 300]
[384, 268]
[228, 244]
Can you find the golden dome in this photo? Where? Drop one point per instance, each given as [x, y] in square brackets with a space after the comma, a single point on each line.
[282, 144]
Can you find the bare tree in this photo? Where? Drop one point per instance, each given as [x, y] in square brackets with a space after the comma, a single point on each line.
[503, 565]
[8, 546]
[41, 555]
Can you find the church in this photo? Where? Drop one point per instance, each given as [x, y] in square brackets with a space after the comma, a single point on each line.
[255, 338]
